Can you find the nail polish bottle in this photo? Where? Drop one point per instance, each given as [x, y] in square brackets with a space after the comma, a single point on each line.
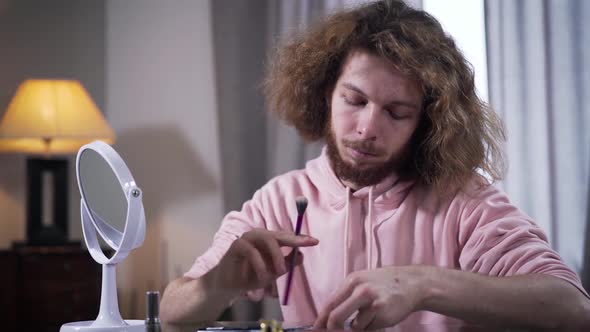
[152, 321]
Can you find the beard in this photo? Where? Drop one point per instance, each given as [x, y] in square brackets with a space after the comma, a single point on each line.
[361, 176]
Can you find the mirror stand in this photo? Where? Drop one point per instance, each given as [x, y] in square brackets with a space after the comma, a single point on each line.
[109, 314]
[98, 160]
[109, 317]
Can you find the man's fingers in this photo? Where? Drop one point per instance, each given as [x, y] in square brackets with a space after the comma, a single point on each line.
[364, 318]
[253, 256]
[284, 239]
[341, 295]
[350, 305]
[292, 240]
[271, 249]
[298, 258]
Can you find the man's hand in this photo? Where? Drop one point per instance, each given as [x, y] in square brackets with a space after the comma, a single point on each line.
[383, 297]
[255, 260]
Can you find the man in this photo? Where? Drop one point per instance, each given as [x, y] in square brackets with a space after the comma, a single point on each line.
[400, 224]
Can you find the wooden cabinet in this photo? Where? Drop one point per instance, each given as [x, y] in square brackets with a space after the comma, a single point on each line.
[44, 287]
[8, 262]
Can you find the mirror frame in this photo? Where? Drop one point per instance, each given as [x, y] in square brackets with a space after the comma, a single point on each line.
[133, 234]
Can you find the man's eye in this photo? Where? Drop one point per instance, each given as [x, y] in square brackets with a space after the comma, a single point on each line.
[395, 116]
[354, 101]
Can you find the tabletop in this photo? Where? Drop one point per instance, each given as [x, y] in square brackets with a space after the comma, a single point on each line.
[398, 328]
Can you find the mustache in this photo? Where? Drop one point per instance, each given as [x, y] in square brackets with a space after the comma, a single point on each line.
[363, 146]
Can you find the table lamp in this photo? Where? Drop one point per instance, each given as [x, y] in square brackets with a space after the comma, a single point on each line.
[49, 119]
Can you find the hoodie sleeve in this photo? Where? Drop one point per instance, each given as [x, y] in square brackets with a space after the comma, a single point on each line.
[232, 227]
[497, 239]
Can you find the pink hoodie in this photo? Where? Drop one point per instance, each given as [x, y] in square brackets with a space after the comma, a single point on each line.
[392, 223]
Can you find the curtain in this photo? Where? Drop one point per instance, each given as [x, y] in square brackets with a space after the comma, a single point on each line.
[539, 72]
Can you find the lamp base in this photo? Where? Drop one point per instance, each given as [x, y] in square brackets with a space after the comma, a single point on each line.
[56, 231]
[133, 325]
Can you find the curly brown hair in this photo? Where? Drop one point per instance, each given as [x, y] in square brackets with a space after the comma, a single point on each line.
[458, 133]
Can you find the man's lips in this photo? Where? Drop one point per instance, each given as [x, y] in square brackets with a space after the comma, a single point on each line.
[363, 148]
[359, 154]
[365, 152]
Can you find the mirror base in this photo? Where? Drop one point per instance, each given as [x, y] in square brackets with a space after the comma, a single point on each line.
[86, 326]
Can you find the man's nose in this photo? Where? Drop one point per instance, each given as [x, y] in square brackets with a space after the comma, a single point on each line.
[368, 124]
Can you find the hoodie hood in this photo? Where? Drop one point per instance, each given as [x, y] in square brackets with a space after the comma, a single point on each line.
[383, 199]
[387, 194]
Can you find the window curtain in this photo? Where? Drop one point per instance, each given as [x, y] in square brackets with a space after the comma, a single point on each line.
[539, 72]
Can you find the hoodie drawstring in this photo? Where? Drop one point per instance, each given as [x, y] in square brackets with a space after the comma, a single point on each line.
[370, 231]
[346, 231]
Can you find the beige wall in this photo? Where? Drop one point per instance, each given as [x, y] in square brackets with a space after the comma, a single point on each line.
[160, 92]
[47, 39]
[149, 66]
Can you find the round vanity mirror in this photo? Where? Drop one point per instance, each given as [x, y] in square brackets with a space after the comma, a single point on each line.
[104, 195]
[111, 207]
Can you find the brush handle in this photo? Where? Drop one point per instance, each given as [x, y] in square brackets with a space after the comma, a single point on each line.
[298, 225]
[290, 277]
[292, 263]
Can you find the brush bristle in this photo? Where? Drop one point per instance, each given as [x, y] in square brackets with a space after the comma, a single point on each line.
[301, 205]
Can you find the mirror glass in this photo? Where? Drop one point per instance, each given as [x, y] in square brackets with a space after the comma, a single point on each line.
[104, 194]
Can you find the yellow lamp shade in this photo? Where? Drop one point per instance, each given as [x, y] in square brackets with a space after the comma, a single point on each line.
[52, 117]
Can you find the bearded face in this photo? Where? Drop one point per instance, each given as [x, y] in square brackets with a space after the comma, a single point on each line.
[374, 112]
[361, 175]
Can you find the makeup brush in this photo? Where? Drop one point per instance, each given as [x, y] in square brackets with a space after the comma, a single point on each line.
[301, 206]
